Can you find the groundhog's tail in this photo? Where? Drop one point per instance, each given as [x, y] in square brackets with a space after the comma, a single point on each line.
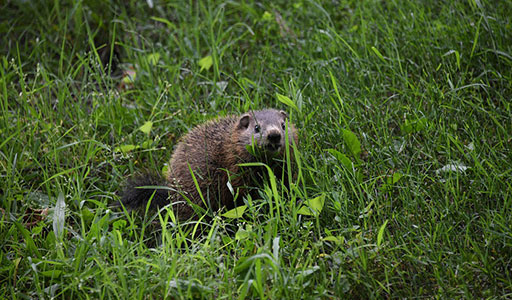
[141, 189]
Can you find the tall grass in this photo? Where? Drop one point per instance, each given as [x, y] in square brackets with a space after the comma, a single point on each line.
[402, 174]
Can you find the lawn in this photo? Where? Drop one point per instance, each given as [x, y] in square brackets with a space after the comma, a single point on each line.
[402, 184]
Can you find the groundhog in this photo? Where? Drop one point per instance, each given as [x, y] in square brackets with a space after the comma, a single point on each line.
[208, 158]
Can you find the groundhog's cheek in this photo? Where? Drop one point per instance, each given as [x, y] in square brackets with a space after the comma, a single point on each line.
[255, 140]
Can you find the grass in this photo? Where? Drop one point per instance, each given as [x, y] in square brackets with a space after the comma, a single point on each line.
[405, 122]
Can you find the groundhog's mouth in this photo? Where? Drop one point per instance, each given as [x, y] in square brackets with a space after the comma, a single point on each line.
[272, 147]
[266, 149]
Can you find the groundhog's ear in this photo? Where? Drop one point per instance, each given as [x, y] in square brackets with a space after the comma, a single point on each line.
[284, 114]
[244, 121]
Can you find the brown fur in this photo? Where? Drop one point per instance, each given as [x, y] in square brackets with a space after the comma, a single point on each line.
[213, 152]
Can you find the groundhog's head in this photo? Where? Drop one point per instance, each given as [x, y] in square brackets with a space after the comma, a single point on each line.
[264, 131]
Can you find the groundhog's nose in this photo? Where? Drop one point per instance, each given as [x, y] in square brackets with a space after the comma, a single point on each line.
[274, 137]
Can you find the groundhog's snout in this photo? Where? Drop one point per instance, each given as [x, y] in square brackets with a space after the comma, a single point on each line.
[274, 137]
[273, 140]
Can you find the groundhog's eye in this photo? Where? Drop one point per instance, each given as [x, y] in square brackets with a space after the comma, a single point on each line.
[257, 128]
[283, 126]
